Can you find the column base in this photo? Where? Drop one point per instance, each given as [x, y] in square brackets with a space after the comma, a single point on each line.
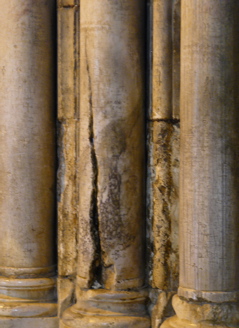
[101, 308]
[175, 322]
[27, 310]
[27, 298]
[29, 322]
[190, 314]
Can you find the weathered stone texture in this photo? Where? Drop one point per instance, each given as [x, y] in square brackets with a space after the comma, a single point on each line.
[163, 202]
[163, 155]
[68, 134]
[163, 184]
[111, 144]
[160, 306]
[67, 73]
[110, 170]
[66, 293]
[67, 206]
[199, 313]
[105, 136]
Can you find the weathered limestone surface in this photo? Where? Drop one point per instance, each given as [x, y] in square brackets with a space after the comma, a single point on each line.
[110, 173]
[163, 156]
[209, 183]
[163, 185]
[111, 144]
[163, 204]
[160, 306]
[27, 142]
[68, 131]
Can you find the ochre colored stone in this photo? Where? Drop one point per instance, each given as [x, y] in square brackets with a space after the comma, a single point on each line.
[163, 185]
[161, 59]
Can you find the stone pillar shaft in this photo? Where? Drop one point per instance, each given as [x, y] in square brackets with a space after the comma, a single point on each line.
[27, 145]
[209, 186]
[111, 166]
[163, 155]
[111, 203]
[161, 16]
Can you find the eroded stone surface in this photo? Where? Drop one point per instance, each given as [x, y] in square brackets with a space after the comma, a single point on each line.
[66, 293]
[162, 198]
[110, 166]
[226, 313]
[111, 144]
[163, 185]
[67, 197]
[160, 306]
[68, 134]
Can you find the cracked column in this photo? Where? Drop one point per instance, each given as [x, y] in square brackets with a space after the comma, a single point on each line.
[163, 157]
[27, 183]
[111, 167]
[209, 186]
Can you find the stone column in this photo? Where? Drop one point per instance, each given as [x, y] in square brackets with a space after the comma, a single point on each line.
[27, 143]
[111, 167]
[161, 37]
[163, 157]
[209, 186]
[68, 123]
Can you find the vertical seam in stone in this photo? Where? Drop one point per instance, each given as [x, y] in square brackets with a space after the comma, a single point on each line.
[94, 223]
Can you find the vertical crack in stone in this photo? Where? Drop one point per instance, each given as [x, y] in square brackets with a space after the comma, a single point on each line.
[95, 272]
